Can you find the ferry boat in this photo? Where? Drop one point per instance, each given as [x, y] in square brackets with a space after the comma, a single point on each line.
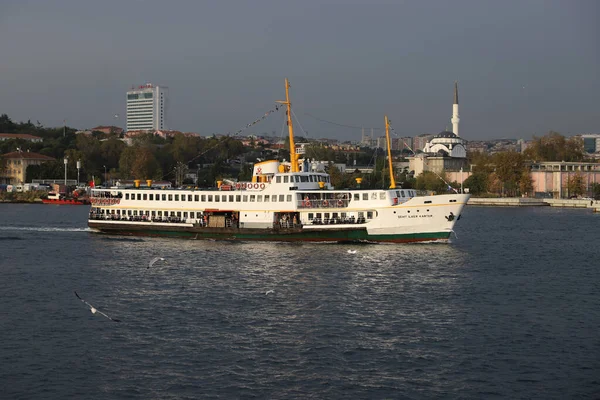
[284, 201]
[58, 198]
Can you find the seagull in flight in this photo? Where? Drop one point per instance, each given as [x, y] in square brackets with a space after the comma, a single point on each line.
[94, 310]
[269, 291]
[155, 259]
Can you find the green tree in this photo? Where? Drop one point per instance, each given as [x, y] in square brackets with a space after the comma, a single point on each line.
[477, 183]
[526, 183]
[110, 151]
[596, 191]
[575, 185]
[428, 180]
[126, 162]
[555, 147]
[336, 176]
[145, 165]
[509, 168]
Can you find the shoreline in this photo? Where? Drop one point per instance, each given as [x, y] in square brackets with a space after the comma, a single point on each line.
[36, 201]
[594, 205]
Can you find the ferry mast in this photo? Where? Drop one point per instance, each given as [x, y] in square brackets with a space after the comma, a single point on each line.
[293, 155]
[389, 151]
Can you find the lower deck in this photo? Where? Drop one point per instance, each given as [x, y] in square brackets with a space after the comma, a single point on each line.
[289, 233]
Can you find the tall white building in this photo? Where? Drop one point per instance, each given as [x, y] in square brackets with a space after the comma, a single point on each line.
[147, 108]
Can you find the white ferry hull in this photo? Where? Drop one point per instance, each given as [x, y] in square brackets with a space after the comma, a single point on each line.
[413, 221]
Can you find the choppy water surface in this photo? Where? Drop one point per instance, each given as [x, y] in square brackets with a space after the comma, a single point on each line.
[509, 309]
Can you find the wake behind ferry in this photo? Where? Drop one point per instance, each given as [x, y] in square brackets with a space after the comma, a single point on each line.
[285, 201]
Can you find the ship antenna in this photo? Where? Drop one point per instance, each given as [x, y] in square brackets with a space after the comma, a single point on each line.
[389, 151]
[293, 155]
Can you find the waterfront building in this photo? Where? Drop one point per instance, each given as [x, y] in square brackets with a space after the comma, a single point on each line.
[22, 136]
[446, 151]
[13, 166]
[147, 108]
[552, 177]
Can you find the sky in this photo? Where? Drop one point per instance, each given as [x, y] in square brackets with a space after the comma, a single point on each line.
[523, 67]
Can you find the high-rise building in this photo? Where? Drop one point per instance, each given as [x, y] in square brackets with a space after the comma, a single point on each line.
[147, 108]
[591, 143]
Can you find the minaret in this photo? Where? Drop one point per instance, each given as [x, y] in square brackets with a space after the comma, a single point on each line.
[455, 119]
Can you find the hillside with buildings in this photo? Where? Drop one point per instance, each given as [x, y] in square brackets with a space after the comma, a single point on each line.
[548, 166]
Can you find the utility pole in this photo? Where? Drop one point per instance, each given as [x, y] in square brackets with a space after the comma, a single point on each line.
[78, 168]
[66, 161]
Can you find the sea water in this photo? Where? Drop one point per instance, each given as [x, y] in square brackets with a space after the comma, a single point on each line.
[510, 308]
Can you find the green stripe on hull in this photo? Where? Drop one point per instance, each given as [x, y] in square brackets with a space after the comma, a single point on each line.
[354, 235]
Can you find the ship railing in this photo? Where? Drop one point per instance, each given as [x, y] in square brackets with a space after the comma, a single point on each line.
[135, 218]
[104, 201]
[286, 225]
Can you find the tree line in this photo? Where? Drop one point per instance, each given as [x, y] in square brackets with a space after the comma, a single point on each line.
[107, 156]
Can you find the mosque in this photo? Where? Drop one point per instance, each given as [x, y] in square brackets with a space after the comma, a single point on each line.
[446, 151]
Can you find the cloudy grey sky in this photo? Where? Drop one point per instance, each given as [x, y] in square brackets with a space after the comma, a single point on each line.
[524, 67]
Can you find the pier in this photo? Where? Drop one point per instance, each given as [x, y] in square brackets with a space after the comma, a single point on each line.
[594, 205]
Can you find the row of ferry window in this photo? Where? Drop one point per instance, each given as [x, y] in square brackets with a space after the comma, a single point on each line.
[199, 215]
[382, 195]
[237, 198]
[301, 178]
[209, 197]
[335, 215]
[134, 213]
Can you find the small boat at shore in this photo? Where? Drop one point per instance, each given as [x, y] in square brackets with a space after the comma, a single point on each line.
[61, 198]
[284, 201]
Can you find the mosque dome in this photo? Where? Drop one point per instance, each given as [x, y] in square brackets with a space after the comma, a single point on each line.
[447, 144]
[445, 134]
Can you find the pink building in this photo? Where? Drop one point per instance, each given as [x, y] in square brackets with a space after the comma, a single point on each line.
[108, 129]
[23, 136]
[553, 176]
[550, 177]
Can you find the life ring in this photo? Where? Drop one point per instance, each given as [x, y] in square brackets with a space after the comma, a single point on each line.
[262, 185]
[340, 203]
[243, 185]
[238, 185]
[307, 203]
[256, 186]
[325, 203]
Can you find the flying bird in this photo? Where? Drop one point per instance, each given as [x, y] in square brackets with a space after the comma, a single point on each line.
[270, 291]
[94, 310]
[155, 259]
